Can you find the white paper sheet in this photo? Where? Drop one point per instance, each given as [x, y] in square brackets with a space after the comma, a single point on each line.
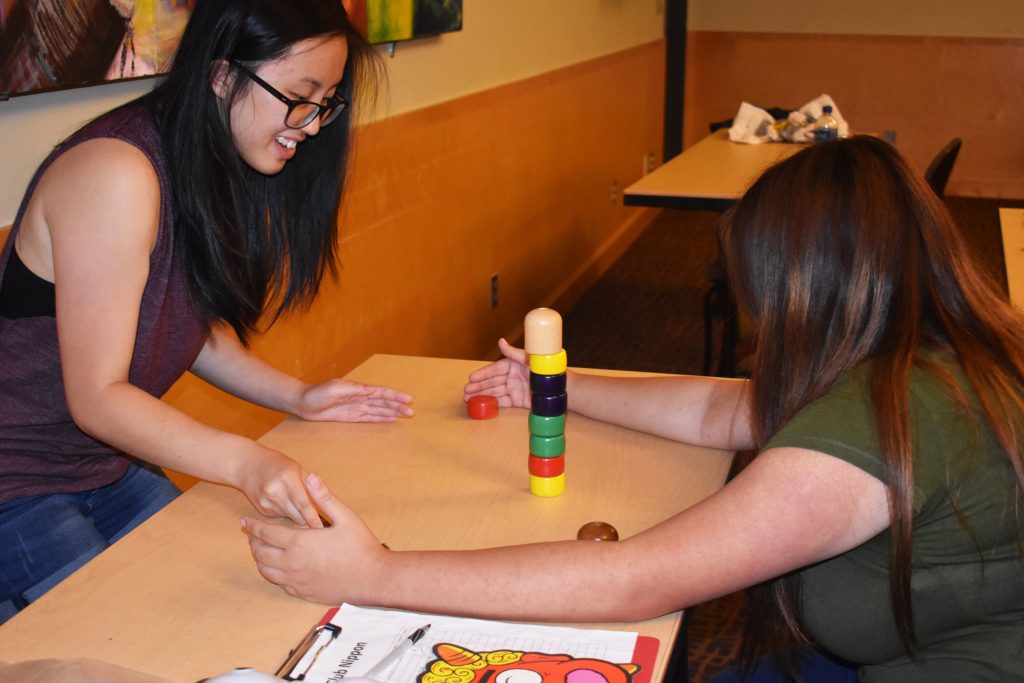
[369, 634]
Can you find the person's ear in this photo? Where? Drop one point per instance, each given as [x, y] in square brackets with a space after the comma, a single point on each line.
[221, 76]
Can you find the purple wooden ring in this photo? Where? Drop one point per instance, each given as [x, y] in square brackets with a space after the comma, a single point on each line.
[547, 385]
[549, 406]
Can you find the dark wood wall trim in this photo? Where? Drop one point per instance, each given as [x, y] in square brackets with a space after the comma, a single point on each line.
[675, 76]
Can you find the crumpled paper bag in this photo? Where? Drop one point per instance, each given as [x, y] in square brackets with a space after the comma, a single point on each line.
[753, 125]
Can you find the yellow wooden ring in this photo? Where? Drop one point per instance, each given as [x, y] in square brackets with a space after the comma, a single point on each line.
[552, 364]
[547, 487]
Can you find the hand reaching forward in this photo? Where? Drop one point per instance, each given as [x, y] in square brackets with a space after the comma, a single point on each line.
[508, 379]
[321, 565]
[339, 400]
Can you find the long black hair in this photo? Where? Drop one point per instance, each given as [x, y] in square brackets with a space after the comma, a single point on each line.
[251, 243]
[843, 255]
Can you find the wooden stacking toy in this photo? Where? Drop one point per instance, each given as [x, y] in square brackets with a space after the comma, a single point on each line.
[548, 401]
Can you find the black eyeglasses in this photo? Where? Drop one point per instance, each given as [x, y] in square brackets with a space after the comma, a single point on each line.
[300, 112]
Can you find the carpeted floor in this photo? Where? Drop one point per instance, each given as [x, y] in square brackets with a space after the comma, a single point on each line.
[645, 313]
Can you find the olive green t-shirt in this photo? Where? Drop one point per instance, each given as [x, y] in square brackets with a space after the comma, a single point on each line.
[967, 585]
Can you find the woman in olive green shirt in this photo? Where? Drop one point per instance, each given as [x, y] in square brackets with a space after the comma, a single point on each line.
[881, 518]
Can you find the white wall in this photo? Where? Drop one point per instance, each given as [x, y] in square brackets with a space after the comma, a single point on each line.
[967, 18]
[501, 42]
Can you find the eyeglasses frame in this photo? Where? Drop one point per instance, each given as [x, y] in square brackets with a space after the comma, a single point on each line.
[337, 104]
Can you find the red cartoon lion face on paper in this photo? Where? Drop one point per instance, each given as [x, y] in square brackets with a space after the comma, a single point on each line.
[455, 664]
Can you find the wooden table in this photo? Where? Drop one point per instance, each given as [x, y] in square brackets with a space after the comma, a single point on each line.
[180, 597]
[710, 175]
[1011, 223]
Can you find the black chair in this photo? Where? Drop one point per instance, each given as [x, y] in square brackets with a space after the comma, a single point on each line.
[941, 166]
[719, 303]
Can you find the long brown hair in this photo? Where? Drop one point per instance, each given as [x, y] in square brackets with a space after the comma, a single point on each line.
[842, 254]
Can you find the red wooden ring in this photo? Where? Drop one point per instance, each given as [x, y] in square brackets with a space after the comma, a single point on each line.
[482, 407]
[547, 467]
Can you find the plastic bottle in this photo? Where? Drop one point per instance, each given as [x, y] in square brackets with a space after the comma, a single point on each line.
[825, 126]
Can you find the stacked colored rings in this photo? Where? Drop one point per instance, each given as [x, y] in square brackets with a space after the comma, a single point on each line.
[542, 425]
[548, 402]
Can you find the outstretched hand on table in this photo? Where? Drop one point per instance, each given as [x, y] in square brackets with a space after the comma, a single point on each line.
[340, 400]
[507, 379]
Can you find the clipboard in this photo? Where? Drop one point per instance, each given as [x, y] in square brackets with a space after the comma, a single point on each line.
[324, 632]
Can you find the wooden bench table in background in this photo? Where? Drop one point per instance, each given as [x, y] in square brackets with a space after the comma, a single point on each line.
[1011, 223]
[710, 175]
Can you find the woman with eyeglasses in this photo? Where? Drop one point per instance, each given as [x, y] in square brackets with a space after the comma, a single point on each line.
[152, 242]
[881, 520]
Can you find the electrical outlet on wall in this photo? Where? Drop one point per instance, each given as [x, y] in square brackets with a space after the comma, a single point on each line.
[614, 194]
[648, 163]
[494, 290]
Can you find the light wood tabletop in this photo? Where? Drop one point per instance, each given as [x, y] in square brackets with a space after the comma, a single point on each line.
[1011, 224]
[180, 597]
[712, 174]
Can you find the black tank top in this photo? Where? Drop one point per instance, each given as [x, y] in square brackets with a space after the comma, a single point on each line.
[23, 294]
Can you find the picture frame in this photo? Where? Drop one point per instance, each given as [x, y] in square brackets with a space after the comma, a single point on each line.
[55, 44]
[48, 45]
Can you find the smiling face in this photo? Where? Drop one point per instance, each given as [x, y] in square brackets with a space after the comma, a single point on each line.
[311, 70]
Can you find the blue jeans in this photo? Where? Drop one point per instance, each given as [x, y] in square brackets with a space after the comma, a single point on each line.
[814, 667]
[43, 539]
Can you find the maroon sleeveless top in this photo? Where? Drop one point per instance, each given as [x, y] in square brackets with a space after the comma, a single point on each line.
[41, 449]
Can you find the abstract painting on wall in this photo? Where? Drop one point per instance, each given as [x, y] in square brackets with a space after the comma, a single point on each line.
[54, 44]
[388, 21]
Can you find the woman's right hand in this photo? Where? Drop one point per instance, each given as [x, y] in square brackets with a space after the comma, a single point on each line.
[274, 484]
[340, 564]
[507, 379]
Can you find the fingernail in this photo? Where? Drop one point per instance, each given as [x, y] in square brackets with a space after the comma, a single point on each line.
[244, 524]
[313, 482]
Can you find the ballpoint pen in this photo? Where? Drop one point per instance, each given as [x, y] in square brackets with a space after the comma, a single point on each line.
[396, 652]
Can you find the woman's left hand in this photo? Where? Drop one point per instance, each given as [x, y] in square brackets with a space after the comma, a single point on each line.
[321, 565]
[339, 400]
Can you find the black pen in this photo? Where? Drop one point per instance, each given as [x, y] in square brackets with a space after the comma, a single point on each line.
[396, 652]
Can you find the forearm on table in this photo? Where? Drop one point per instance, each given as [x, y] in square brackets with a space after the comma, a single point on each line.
[742, 535]
[702, 411]
[147, 428]
[563, 581]
[229, 366]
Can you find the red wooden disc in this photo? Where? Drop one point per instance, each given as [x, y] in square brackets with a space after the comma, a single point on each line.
[482, 407]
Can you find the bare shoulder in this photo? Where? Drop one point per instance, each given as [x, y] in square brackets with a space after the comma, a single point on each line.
[105, 165]
[99, 189]
[97, 185]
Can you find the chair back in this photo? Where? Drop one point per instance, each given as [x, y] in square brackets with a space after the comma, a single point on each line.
[942, 165]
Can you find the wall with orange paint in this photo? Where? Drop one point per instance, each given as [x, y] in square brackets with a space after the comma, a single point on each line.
[500, 43]
[929, 71]
[926, 89]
